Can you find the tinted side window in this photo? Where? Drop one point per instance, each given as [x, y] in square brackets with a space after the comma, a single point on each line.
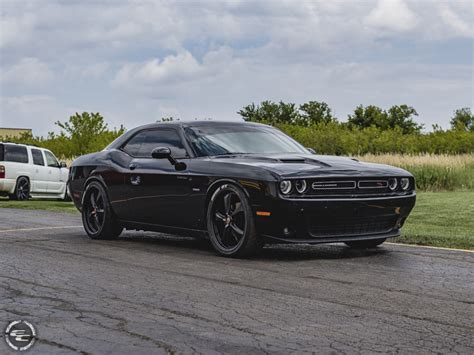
[144, 142]
[51, 160]
[133, 145]
[15, 153]
[1, 152]
[37, 157]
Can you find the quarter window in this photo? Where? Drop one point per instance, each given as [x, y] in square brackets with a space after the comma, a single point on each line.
[37, 157]
[143, 143]
[15, 153]
[51, 159]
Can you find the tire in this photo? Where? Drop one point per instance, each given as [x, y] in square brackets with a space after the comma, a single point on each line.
[97, 216]
[230, 222]
[66, 197]
[22, 189]
[365, 244]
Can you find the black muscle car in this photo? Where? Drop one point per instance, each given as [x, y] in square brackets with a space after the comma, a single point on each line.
[239, 184]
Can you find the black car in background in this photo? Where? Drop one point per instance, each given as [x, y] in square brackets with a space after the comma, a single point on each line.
[240, 184]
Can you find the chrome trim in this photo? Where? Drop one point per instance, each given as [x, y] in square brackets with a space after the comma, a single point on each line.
[333, 182]
[373, 187]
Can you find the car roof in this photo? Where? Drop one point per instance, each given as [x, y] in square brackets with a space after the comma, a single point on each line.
[177, 124]
[23, 145]
[197, 123]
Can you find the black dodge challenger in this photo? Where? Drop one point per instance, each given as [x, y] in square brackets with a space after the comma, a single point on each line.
[241, 185]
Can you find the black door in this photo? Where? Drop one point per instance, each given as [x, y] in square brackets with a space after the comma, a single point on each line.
[157, 192]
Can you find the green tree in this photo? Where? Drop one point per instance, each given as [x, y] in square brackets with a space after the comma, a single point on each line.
[397, 117]
[314, 112]
[86, 132]
[364, 117]
[402, 116]
[270, 112]
[463, 119]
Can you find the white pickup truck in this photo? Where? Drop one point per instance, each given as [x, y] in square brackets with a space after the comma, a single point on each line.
[28, 171]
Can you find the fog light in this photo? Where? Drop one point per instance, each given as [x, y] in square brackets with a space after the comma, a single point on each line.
[285, 187]
[392, 184]
[405, 183]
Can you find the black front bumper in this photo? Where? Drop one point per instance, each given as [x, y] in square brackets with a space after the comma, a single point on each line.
[334, 220]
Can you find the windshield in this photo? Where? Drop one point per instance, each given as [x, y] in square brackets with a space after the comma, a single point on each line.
[240, 139]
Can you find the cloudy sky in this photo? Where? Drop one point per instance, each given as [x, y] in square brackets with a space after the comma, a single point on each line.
[136, 61]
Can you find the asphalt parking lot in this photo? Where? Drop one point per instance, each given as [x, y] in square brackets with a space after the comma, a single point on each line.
[152, 293]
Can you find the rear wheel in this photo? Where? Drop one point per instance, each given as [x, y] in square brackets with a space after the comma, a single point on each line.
[22, 189]
[230, 222]
[365, 244]
[97, 216]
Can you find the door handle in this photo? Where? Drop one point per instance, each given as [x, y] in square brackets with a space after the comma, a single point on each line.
[132, 166]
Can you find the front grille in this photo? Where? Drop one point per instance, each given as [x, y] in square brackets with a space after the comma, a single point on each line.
[349, 188]
[330, 226]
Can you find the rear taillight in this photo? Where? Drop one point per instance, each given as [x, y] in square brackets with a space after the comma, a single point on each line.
[2, 172]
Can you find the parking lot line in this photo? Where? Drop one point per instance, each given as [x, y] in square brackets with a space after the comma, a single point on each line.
[35, 229]
[429, 247]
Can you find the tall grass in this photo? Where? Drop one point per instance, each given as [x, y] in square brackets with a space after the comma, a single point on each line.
[432, 172]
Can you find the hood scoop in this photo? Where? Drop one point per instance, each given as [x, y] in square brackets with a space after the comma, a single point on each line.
[297, 160]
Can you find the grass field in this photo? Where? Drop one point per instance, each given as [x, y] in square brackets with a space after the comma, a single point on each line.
[432, 172]
[442, 219]
[54, 206]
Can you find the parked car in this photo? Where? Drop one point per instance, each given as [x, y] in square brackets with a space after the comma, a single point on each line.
[28, 171]
[240, 184]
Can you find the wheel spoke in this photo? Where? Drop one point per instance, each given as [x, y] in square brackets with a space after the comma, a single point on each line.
[236, 229]
[93, 204]
[239, 209]
[227, 202]
[220, 216]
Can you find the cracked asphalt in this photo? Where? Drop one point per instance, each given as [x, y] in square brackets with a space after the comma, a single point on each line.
[155, 294]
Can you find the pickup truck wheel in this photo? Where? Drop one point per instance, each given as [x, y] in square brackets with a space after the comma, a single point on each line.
[22, 189]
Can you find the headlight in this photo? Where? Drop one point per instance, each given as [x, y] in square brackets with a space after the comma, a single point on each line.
[392, 183]
[405, 183]
[285, 187]
[300, 186]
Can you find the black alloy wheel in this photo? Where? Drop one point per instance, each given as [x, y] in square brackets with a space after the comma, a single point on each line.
[230, 222]
[365, 244]
[22, 189]
[97, 216]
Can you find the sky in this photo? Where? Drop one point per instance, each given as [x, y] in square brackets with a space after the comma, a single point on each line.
[137, 61]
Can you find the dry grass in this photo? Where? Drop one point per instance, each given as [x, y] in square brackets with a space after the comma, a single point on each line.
[433, 172]
[443, 160]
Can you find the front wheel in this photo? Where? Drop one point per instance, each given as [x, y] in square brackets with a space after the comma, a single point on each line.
[365, 244]
[97, 216]
[230, 222]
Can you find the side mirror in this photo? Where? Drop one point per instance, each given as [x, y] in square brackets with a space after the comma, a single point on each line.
[62, 165]
[165, 153]
[311, 150]
[161, 153]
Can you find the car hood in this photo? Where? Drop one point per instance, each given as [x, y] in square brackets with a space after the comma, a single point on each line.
[304, 165]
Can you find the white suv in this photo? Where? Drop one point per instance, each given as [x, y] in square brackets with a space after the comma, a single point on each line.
[28, 171]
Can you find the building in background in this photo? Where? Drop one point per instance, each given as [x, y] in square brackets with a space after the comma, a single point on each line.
[13, 132]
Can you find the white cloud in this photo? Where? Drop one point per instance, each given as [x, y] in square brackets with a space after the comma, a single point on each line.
[455, 22]
[182, 66]
[392, 15]
[135, 61]
[28, 72]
